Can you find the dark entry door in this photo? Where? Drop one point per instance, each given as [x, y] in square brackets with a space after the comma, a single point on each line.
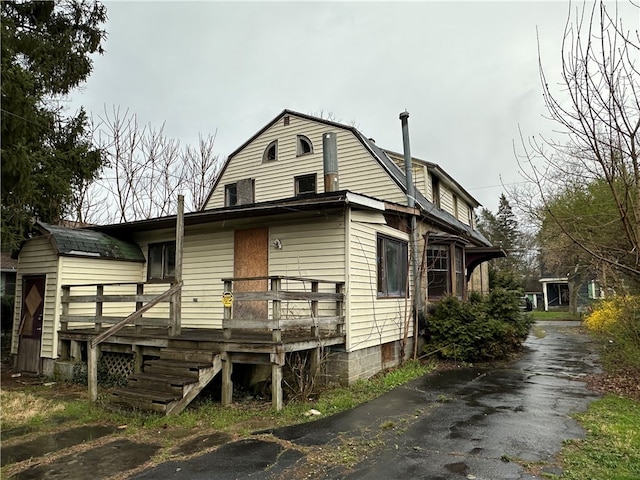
[30, 330]
[251, 259]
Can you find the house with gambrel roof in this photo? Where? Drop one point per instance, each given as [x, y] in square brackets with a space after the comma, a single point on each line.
[308, 228]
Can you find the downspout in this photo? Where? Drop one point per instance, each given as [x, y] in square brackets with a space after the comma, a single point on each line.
[411, 202]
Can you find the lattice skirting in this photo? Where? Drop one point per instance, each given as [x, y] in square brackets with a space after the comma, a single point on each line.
[117, 364]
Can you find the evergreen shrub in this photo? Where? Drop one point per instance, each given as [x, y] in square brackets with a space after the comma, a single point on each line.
[484, 328]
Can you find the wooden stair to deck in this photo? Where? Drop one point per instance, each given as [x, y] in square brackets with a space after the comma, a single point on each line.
[169, 384]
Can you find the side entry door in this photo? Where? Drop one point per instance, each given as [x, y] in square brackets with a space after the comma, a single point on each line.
[30, 329]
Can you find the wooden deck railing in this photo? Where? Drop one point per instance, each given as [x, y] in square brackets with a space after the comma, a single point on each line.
[99, 304]
[278, 318]
[171, 321]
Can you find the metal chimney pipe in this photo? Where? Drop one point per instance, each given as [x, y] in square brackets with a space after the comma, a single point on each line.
[330, 162]
[411, 202]
[408, 171]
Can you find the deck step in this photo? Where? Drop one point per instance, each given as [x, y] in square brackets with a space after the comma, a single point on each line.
[159, 382]
[186, 355]
[151, 395]
[174, 368]
[144, 399]
[167, 385]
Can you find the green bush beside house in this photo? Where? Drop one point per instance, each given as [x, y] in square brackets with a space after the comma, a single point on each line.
[484, 328]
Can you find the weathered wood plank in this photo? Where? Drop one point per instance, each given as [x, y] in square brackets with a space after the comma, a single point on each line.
[270, 324]
[108, 298]
[151, 321]
[138, 313]
[281, 277]
[288, 295]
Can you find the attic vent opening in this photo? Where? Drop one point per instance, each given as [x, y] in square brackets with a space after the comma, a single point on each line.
[285, 120]
[305, 147]
[271, 152]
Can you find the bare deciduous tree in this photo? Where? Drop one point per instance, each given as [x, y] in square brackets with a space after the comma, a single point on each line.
[146, 170]
[596, 109]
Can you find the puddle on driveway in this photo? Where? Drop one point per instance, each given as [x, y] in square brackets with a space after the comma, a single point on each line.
[202, 442]
[459, 467]
[40, 446]
[100, 462]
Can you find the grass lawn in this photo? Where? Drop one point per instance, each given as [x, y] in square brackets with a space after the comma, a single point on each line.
[46, 408]
[611, 449]
[553, 316]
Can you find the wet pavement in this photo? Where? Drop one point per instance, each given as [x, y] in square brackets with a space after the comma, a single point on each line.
[468, 423]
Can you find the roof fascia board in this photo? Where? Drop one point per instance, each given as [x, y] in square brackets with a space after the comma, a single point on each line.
[355, 199]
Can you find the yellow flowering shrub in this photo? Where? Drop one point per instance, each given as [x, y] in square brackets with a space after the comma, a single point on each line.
[603, 316]
[617, 321]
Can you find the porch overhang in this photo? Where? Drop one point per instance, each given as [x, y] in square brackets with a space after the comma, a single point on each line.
[476, 255]
[295, 205]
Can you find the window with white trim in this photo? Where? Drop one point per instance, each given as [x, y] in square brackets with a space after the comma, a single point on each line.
[393, 260]
[438, 278]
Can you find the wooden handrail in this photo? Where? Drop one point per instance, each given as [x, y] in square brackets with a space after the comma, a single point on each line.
[138, 313]
[278, 277]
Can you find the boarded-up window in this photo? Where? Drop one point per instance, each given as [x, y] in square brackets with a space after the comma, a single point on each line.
[393, 262]
[388, 352]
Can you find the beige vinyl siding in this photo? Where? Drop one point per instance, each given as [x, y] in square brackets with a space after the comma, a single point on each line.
[313, 249]
[372, 320]
[37, 257]
[421, 178]
[87, 271]
[358, 170]
[428, 191]
[207, 258]
[446, 199]
[463, 211]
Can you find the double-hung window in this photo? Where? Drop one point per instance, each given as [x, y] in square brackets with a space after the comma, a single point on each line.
[445, 271]
[438, 277]
[161, 262]
[392, 267]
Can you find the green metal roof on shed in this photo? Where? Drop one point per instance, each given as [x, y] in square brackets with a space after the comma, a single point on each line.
[89, 243]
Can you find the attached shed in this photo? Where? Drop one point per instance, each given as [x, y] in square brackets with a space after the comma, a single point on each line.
[61, 256]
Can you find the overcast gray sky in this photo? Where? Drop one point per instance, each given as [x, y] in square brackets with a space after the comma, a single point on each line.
[467, 72]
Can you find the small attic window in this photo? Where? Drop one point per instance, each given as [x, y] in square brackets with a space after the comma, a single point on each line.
[305, 147]
[271, 152]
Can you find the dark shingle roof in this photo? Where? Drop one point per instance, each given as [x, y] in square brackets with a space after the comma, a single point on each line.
[428, 208]
[89, 243]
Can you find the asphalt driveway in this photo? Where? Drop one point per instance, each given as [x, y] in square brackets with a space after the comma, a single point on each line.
[471, 423]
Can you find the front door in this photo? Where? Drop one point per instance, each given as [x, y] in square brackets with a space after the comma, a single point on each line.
[30, 329]
[251, 259]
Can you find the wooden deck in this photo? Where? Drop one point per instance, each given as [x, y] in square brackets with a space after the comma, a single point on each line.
[247, 341]
[265, 337]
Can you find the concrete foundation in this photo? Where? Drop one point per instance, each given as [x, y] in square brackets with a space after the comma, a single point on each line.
[347, 367]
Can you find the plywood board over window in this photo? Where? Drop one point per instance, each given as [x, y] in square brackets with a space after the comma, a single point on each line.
[251, 259]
